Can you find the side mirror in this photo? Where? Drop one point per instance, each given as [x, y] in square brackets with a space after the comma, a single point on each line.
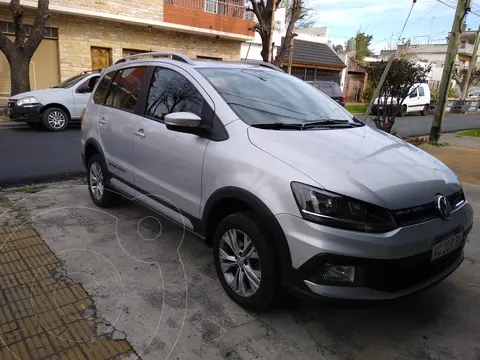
[186, 122]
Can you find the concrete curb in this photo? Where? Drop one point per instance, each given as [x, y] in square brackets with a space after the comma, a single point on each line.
[42, 179]
[13, 125]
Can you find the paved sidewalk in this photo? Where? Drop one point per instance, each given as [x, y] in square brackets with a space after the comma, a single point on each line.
[462, 156]
[43, 314]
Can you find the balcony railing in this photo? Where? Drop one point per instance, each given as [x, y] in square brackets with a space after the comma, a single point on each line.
[228, 8]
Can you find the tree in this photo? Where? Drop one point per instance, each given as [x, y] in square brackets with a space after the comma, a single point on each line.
[460, 76]
[20, 52]
[338, 48]
[362, 43]
[398, 84]
[297, 14]
[264, 11]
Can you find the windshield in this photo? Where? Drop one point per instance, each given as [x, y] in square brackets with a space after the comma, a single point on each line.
[260, 96]
[71, 81]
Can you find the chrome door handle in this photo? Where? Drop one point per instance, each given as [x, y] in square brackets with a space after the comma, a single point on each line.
[140, 133]
[102, 120]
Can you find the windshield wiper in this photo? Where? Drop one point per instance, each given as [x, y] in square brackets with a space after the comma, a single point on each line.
[278, 126]
[330, 123]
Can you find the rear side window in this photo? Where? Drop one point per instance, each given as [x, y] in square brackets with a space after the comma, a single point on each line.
[101, 92]
[128, 87]
[325, 88]
[336, 89]
[111, 91]
[421, 91]
[172, 92]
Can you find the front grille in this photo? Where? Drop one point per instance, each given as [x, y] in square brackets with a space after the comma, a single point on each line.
[421, 213]
[392, 279]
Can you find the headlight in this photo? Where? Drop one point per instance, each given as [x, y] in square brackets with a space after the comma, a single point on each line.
[338, 211]
[27, 100]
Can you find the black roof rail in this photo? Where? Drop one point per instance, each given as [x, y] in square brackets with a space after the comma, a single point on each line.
[91, 71]
[259, 63]
[171, 55]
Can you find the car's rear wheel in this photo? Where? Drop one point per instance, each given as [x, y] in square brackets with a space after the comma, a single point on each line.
[97, 175]
[55, 119]
[245, 261]
[425, 110]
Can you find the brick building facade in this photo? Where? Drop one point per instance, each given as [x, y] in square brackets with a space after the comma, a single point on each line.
[85, 34]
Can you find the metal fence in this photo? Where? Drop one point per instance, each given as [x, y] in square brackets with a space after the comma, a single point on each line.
[227, 8]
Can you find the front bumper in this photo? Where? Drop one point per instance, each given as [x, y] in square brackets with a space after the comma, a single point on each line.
[388, 266]
[25, 113]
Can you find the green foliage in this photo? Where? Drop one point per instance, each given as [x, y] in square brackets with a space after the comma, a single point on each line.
[471, 132]
[451, 93]
[362, 43]
[401, 77]
[368, 93]
[355, 108]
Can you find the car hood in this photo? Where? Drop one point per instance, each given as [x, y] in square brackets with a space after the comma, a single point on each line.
[38, 93]
[363, 163]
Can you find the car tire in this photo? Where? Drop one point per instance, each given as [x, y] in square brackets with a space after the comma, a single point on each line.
[55, 119]
[97, 174]
[403, 111]
[425, 110]
[253, 279]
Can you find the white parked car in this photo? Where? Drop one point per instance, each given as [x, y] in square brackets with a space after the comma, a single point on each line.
[418, 100]
[54, 107]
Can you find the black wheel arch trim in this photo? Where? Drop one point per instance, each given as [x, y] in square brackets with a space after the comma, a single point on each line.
[96, 145]
[269, 220]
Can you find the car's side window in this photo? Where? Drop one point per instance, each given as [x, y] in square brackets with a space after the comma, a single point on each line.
[87, 86]
[421, 91]
[413, 93]
[113, 87]
[100, 94]
[128, 87]
[172, 92]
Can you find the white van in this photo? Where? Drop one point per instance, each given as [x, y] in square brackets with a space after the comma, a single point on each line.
[418, 101]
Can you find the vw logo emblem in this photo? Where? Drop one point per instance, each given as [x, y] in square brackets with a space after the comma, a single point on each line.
[443, 207]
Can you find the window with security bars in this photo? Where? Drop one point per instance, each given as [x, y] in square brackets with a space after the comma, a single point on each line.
[8, 28]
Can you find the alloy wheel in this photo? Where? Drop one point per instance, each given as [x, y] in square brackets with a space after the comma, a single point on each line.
[96, 181]
[56, 119]
[240, 263]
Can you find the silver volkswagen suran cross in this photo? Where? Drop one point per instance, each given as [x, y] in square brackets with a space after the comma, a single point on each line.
[291, 190]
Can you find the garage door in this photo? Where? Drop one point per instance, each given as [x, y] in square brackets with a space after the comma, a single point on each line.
[44, 69]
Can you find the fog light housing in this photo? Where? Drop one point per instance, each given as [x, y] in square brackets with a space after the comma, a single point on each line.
[339, 273]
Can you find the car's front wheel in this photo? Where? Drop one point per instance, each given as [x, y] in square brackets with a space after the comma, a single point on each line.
[425, 110]
[98, 188]
[246, 262]
[55, 119]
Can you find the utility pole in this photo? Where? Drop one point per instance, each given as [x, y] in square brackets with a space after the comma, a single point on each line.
[473, 64]
[463, 7]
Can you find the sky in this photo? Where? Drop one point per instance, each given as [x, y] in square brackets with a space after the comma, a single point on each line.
[384, 20]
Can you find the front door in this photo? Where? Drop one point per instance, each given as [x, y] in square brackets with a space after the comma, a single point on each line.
[101, 57]
[168, 163]
[116, 121]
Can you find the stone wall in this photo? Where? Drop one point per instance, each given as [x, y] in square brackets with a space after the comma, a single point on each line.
[78, 35]
[151, 9]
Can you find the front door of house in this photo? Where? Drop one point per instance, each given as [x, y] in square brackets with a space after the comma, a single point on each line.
[101, 58]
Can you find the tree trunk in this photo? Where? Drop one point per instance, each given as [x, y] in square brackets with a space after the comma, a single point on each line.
[19, 71]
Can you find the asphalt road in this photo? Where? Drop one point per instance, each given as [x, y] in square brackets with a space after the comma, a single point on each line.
[29, 155]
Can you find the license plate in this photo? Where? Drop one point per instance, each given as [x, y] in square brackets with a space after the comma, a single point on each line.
[446, 244]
